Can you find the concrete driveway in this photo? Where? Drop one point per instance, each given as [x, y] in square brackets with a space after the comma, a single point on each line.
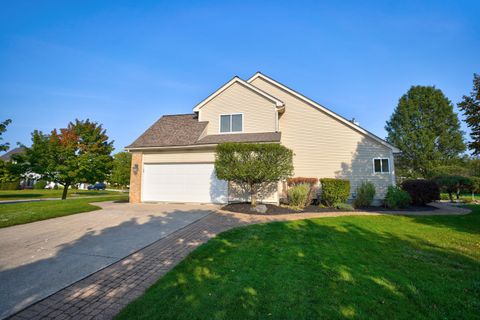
[40, 258]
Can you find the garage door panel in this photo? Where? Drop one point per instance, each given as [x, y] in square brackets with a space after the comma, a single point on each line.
[183, 183]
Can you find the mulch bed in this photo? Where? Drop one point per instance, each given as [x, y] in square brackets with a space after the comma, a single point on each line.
[275, 210]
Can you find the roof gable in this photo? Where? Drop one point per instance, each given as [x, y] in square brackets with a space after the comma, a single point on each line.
[323, 109]
[245, 84]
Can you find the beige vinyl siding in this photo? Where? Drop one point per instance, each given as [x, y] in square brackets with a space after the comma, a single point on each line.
[258, 112]
[180, 156]
[325, 147]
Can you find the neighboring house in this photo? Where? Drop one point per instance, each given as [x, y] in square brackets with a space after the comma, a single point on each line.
[28, 179]
[173, 160]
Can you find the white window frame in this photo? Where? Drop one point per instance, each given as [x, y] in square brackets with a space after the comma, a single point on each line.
[381, 166]
[231, 119]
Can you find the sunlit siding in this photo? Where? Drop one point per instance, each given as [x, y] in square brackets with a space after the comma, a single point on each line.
[258, 112]
[325, 147]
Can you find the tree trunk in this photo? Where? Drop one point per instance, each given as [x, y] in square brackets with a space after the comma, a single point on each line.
[253, 195]
[450, 196]
[65, 191]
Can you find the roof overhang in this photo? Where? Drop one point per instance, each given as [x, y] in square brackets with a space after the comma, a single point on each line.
[187, 147]
[325, 110]
[278, 103]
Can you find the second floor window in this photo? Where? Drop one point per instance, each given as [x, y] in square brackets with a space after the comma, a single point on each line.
[231, 123]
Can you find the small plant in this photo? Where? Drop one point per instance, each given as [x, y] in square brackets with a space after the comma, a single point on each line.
[40, 184]
[365, 193]
[343, 206]
[334, 191]
[298, 195]
[312, 182]
[422, 191]
[397, 198]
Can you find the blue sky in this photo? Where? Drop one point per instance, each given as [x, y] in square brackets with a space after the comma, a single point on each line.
[124, 64]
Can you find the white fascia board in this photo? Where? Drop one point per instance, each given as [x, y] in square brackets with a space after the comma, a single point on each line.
[324, 109]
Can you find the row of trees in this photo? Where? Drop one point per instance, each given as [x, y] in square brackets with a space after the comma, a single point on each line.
[79, 153]
[426, 129]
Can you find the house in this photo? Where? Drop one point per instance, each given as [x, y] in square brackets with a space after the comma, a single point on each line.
[173, 160]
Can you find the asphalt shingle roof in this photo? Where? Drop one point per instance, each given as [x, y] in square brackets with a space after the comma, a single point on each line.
[185, 130]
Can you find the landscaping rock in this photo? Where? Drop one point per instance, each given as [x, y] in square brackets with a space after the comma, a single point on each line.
[261, 208]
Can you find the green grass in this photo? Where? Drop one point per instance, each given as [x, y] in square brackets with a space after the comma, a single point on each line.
[20, 213]
[364, 267]
[465, 196]
[45, 193]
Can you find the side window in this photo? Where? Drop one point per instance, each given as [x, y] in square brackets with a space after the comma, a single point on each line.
[231, 123]
[381, 165]
[225, 123]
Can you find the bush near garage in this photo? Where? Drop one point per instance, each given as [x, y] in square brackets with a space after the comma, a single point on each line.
[334, 191]
[422, 191]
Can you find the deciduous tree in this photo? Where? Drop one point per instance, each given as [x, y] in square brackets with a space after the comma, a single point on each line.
[253, 165]
[3, 128]
[120, 175]
[78, 153]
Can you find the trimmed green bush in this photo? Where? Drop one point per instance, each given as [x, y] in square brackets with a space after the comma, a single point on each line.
[454, 185]
[298, 195]
[12, 185]
[396, 198]
[365, 193]
[343, 206]
[422, 191]
[334, 191]
[40, 184]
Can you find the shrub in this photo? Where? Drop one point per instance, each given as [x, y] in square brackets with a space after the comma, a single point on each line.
[12, 185]
[422, 191]
[312, 182]
[343, 206]
[334, 190]
[298, 195]
[396, 198]
[454, 184]
[365, 194]
[40, 184]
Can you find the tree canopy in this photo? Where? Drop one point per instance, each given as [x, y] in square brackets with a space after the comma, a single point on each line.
[3, 128]
[120, 175]
[253, 165]
[470, 107]
[78, 153]
[427, 131]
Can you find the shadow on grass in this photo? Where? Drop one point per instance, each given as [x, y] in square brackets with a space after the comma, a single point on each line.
[469, 223]
[355, 267]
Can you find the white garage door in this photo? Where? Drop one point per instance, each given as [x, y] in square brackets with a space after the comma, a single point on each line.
[183, 183]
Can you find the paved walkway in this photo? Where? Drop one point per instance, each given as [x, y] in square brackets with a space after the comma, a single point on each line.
[103, 294]
[40, 258]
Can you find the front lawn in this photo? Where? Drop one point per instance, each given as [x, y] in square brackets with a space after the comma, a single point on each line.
[46, 193]
[20, 213]
[382, 267]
